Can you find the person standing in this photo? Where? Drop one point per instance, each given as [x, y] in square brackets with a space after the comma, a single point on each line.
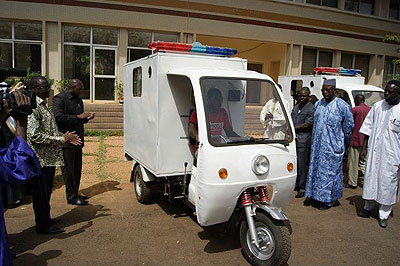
[69, 113]
[18, 161]
[273, 118]
[382, 174]
[333, 123]
[303, 118]
[45, 140]
[357, 140]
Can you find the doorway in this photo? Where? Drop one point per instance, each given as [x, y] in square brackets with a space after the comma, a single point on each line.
[104, 73]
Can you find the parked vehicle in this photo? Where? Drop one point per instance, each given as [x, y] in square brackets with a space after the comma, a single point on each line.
[237, 176]
[349, 83]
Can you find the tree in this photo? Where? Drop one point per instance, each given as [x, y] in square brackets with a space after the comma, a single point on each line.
[394, 39]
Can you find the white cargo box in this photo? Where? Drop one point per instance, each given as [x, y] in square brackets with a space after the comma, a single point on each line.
[349, 84]
[157, 108]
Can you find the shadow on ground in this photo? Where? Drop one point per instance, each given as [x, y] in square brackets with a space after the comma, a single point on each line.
[29, 240]
[100, 188]
[221, 237]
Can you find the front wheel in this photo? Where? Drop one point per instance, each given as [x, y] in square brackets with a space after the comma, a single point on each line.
[142, 190]
[274, 242]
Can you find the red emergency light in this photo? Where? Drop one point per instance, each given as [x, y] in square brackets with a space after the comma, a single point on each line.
[192, 48]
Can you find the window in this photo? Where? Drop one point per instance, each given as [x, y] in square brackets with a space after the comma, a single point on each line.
[360, 6]
[329, 3]
[139, 40]
[21, 45]
[313, 58]
[361, 61]
[137, 82]
[253, 93]
[90, 55]
[391, 69]
[394, 9]
[357, 61]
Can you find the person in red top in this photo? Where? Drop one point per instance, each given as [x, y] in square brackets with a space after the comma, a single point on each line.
[217, 118]
[357, 140]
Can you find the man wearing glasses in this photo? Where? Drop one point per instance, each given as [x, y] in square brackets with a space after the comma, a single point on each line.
[46, 141]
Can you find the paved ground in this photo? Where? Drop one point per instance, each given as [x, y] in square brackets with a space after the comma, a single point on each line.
[116, 230]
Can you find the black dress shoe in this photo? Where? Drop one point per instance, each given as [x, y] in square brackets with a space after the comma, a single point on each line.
[300, 194]
[83, 197]
[349, 186]
[78, 202]
[54, 220]
[50, 231]
[364, 213]
[383, 223]
[323, 207]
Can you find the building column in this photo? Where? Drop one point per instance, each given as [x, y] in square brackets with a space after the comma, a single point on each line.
[341, 4]
[376, 68]
[294, 55]
[53, 64]
[122, 52]
[337, 59]
[382, 8]
[187, 37]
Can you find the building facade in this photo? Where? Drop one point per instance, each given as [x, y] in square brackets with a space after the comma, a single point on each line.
[92, 40]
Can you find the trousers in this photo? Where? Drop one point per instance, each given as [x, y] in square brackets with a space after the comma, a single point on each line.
[72, 172]
[303, 163]
[384, 210]
[352, 161]
[42, 188]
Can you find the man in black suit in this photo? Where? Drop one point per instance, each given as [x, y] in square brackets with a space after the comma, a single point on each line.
[69, 112]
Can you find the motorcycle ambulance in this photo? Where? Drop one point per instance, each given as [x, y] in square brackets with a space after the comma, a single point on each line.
[247, 177]
[349, 83]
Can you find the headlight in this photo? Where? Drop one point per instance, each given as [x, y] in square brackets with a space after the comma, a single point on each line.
[260, 165]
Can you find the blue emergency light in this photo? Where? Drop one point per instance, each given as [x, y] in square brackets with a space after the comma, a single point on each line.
[195, 47]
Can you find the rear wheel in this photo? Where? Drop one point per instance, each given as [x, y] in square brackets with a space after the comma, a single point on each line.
[274, 242]
[142, 190]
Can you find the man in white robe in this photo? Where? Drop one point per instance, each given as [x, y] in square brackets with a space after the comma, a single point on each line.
[273, 118]
[382, 128]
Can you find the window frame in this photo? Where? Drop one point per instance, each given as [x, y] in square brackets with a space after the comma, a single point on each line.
[398, 12]
[129, 48]
[92, 47]
[358, 8]
[13, 41]
[317, 62]
[321, 4]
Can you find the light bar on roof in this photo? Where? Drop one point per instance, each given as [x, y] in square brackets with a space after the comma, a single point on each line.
[195, 47]
[338, 70]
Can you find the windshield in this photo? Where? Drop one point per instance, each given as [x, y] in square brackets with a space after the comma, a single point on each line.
[231, 122]
[371, 97]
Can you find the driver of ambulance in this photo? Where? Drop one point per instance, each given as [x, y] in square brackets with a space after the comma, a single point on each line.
[218, 118]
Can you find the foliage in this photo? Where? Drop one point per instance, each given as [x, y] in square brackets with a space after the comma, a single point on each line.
[119, 89]
[396, 39]
[104, 133]
[62, 85]
[12, 81]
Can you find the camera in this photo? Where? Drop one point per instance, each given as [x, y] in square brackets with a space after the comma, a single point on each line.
[10, 97]
[16, 110]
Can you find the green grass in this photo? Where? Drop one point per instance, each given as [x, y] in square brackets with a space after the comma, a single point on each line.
[104, 133]
[101, 161]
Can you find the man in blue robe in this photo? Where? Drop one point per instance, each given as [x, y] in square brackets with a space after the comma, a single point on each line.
[18, 163]
[333, 123]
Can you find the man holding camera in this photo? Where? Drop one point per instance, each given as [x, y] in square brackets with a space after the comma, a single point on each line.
[18, 162]
[46, 141]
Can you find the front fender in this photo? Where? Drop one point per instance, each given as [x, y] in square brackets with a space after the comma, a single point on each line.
[276, 213]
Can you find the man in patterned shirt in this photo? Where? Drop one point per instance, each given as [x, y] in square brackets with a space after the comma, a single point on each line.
[46, 141]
